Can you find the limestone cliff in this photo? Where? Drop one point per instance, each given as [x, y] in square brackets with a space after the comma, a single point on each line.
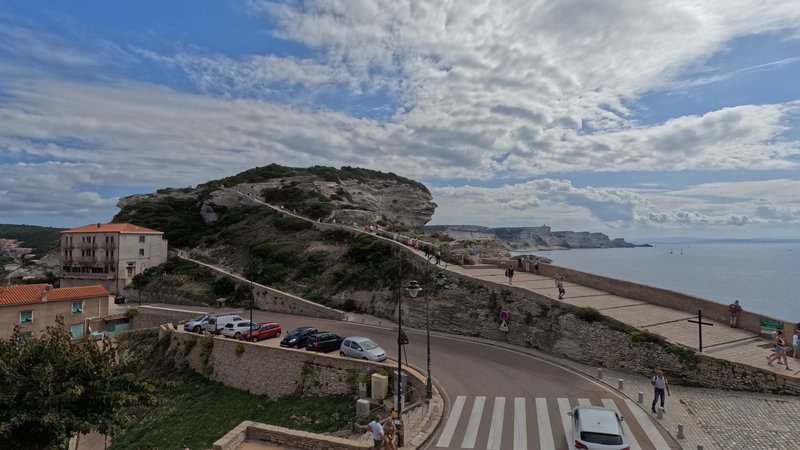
[531, 238]
[345, 195]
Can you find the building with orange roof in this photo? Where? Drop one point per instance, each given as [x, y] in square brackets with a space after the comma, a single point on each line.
[34, 307]
[109, 254]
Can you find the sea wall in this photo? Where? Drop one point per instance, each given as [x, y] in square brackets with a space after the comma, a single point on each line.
[749, 321]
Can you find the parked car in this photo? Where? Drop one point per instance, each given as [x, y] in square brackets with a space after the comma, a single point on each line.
[197, 324]
[323, 342]
[216, 322]
[362, 348]
[596, 428]
[235, 329]
[297, 338]
[262, 331]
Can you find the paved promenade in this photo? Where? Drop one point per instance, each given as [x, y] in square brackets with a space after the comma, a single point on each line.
[715, 419]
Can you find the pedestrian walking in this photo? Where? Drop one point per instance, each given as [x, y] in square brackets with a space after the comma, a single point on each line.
[560, 286]
[780, 351]
[438, 255]
[735, 308]
[536, 266]
[377, 433]
[796, 344]
[660, 385]
[389, 434]
[510, 273]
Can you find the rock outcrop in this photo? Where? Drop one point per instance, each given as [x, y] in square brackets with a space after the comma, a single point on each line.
[531, 238]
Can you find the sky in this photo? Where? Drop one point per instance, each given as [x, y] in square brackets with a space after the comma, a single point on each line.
[642, 120]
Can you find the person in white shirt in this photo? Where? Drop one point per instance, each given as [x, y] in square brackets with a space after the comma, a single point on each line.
[660, 384]
[377, 432]
[796, 344]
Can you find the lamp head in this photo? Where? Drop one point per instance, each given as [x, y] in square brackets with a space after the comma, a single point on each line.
[441, 279]
[413, 288]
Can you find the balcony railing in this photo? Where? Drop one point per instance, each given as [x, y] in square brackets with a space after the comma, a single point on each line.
[88, 276]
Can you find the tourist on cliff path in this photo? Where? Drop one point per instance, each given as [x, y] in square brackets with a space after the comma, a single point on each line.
[377, 432]
[735, 308]
[660, 384]
[389, 434]
[510, 273]
[796, 344]
[536, 267]
[560, 286]
[780, 351]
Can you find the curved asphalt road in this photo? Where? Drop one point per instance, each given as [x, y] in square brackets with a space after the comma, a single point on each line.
[469, 369]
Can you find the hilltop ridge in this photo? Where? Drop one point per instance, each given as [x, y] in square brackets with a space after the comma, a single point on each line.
[532, 238]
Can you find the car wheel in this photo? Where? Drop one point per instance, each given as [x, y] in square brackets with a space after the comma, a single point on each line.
[278, 334]
[296, 345]
[196, 328]
[364, 358]
[237, 335]
[342, 353]
[255, 339]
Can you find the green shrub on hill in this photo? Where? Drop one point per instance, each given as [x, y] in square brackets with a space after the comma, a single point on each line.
[40, 239]
[178, 218]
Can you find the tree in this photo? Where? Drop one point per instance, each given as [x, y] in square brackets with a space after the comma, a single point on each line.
[54, 388]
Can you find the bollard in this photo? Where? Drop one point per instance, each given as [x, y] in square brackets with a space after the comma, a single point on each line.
[620, 383]
[599, 373]
[660, 413]
[680, 431]
[641, 397]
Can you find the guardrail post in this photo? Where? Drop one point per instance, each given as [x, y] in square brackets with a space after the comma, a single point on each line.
[641, 397]
[660, 413]
[680, 431]
[620, 383]
[599, 373]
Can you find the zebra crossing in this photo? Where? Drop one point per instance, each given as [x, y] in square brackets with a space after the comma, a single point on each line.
[522, 423]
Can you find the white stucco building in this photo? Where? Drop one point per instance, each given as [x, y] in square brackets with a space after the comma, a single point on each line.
[109, 254]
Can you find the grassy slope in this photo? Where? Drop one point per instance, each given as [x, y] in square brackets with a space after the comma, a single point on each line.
[41, 239]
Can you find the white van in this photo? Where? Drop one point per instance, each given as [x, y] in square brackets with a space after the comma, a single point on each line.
[217, 322]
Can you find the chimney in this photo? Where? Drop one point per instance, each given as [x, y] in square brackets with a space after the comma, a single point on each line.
[44, 294]
[98, 224]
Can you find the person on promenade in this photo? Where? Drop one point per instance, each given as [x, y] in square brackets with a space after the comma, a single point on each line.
[796, 344]
[536, 267]
[780, 351]
[389, 434]
[377, 432]
[660, 384]
[510, 273]
[560, 286]
[735, 308]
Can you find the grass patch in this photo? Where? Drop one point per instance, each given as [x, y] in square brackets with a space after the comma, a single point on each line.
[588, 315]
[684, 354]
[197, 412]
[647, 336]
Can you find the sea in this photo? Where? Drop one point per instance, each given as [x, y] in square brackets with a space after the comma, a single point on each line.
[764, 277]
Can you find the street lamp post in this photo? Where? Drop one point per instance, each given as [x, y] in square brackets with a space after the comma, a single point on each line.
[441, 279]
[413, 289]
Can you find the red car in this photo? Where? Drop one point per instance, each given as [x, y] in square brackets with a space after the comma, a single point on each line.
[264, 330]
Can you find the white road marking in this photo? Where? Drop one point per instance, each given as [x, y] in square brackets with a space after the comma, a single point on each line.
[563, 408]
[496, 429]
[452, 422]
[610, 404]
[584, 402]
[543, 418]
[474, 423]
[649, 428]
[520, 426]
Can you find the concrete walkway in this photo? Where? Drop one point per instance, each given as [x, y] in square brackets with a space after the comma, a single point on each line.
[713, 419]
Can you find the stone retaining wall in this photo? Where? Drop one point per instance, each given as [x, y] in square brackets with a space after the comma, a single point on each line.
[284, 436]
[279, 372]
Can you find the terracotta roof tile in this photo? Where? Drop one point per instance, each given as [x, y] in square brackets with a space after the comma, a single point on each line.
[25, 294]
[111, 228]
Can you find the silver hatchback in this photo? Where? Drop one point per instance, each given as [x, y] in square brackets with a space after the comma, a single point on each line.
[596, 428]
[362, 348]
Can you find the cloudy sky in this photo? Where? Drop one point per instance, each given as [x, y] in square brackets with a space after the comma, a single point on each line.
[640, 119]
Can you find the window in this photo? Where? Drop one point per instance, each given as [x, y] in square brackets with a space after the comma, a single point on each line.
[77, 307]
[26, 317]
[141, 239]
[141, 252]
[76, 331]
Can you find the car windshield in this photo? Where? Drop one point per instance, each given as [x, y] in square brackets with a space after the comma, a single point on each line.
[297, 332]
[368, 345]
[601, 438]
[198, 318]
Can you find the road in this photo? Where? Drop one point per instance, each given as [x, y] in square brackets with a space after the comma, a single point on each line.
[522, 397]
